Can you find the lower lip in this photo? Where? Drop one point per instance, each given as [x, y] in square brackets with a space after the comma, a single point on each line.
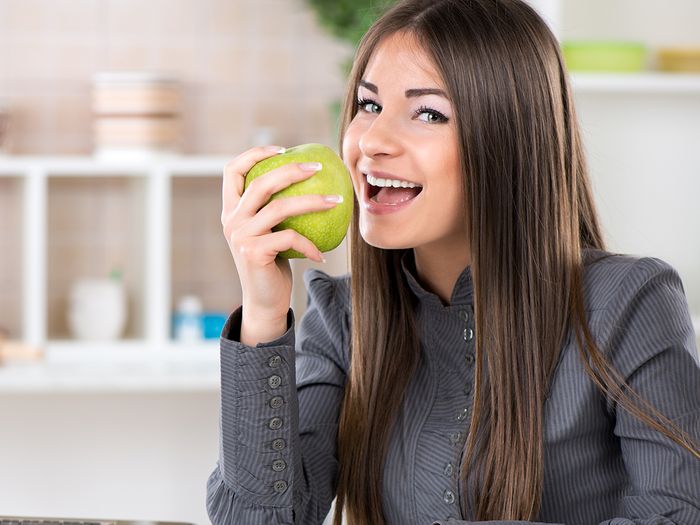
[383, 209]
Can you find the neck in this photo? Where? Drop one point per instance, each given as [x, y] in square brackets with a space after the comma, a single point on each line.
[438, 267]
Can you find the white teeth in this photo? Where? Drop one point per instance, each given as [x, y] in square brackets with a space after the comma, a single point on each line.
[388, 183]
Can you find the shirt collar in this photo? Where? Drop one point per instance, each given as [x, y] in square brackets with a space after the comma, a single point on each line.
[461, 294]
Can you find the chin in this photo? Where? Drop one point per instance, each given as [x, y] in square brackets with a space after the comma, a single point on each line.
[385, 242]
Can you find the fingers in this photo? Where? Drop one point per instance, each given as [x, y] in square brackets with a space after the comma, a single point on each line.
[248, 218]
[235, 171]
[262, 250]
[280, 209]
[264, 187]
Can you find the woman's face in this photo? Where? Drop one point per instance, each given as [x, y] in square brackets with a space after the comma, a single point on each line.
[405, 130]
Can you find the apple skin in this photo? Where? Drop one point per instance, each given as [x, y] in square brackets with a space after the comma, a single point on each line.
[327, 228]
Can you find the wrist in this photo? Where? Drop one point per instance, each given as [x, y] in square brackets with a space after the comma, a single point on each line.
[262, 327]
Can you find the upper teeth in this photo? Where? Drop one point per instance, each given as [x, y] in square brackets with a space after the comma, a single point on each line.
[388, 183]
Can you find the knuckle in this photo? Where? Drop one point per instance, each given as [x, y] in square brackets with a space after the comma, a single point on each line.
[289, 235]
[241, 247]
[230, 166]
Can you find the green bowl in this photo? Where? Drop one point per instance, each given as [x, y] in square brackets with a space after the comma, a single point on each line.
[604, 56]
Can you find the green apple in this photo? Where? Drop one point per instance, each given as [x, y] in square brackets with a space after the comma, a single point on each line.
[327, 228]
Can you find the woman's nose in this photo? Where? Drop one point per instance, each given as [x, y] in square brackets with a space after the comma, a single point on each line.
[380, 138]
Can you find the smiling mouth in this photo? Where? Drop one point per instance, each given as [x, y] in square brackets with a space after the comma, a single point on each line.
[390, 195]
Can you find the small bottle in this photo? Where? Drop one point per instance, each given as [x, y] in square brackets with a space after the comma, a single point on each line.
[188, 325]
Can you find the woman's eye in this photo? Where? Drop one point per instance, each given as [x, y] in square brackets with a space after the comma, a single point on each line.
[370, 106]
[430, 115]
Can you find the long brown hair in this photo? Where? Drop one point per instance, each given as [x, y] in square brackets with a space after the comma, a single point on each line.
[530, 215]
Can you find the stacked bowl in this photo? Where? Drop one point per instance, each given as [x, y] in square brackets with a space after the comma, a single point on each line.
[136, 114]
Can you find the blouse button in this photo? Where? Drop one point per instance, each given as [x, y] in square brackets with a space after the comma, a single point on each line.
[276, 402]
[455, 437]
[469, 334]
[275, 423]
[449, 469]
[280, 486]
[470, 359]
[448, 497]
[274, 362]
[278, 444]
[278, 465]
[462, 414]
[274, 381]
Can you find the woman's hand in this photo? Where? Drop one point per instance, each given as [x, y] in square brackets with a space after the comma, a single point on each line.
[247, 220]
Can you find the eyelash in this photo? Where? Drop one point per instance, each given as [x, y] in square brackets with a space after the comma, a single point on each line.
[423, 109]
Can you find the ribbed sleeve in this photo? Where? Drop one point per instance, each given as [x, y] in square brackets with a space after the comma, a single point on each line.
[279, 416]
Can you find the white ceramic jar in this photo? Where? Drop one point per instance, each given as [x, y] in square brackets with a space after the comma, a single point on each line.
[97, 309]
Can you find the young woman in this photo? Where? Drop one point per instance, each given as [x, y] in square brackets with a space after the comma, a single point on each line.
[486, 359]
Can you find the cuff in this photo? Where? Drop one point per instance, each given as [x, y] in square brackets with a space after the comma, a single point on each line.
[259, 422]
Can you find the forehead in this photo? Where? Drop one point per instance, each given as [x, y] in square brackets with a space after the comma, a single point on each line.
[401, 59]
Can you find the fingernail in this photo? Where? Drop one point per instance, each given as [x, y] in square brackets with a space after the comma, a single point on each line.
[333, 198]
[323, 259]
[275, 149]
[310, 166]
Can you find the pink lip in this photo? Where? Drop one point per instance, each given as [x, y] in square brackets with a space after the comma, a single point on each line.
[376, 208]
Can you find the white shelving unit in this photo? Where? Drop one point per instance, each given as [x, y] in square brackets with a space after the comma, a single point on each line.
[69, 364]
[641, 83]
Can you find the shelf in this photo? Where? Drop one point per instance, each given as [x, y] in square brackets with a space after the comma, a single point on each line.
[91, 377]
[82, 217]
[91, 166]
[643, 83]
[123, 366]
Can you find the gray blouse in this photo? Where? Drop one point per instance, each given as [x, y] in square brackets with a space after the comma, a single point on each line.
[280, 404]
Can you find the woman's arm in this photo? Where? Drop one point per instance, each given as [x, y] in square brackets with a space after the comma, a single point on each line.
[279, 417]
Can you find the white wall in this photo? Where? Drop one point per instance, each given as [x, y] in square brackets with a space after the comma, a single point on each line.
[126, 455]
[645, 167]
[669, 22]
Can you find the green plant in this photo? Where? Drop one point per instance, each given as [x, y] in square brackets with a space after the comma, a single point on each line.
[348, 19]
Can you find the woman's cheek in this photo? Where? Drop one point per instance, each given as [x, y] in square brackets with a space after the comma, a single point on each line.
[351, 150]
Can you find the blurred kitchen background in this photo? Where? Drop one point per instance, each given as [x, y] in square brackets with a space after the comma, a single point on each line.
[116, 119]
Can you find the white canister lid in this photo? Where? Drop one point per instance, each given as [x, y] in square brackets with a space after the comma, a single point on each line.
[189, 305]
[120, 78]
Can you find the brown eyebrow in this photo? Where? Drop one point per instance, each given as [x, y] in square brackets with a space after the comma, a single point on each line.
[410, 93]
[374, 89]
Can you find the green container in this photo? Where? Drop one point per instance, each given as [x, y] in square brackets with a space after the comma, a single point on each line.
[605, 56]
